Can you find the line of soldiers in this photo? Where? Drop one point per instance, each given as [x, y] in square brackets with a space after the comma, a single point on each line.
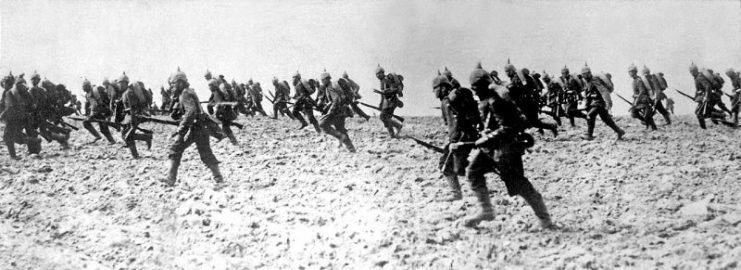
[709, 93]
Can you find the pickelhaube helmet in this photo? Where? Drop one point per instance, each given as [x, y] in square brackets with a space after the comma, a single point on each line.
[447, 72]
[632, 67]
[379, 69]
[35, 75]
[439, 81]
[645, 70]
[179, 76]
[586, 69]
[693, 67]
[123, 77]
[509, 66]
[479, 74]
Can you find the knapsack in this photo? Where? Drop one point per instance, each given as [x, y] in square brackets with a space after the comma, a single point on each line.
[662, 82]
[143, 96]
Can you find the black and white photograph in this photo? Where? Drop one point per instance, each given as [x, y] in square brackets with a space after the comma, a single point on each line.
[370, 134]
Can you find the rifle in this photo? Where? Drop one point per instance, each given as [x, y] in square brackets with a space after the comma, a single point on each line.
[426, 144]
[68, 125]
[230, 103]
[158, 121]
[379, 109]
[704, 103]
[624, 99]
[115, 125]
[684, 94]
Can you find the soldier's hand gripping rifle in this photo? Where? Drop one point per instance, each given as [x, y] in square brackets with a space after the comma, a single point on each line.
[379, 109]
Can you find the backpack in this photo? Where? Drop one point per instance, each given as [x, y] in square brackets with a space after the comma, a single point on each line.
[606, 82]
[144, 97]
[347, 92]
[662, 82]
[397, 80]
[307, 86]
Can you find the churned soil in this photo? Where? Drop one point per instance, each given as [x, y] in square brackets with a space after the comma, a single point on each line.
[298, 200]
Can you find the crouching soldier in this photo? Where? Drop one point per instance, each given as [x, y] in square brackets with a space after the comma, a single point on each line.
[500, 150]
[194, 127]
[339, 96]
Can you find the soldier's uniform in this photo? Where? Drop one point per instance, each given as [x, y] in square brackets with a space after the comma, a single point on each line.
[339, 96]
[356, 96]
[500, 150]
[391, 91]
[166, 99]
[304, 104]
[596, 104]
[15, 111]
[642, 104]
[571, 97]
[735, 78]
[282, 95]
[703, 96]
[463, 119]
[223, 113]
[115, 93]
[98, 102]
[553, 96]
[193, 128]
[135, 104]
[44, 115]
[453, 81]
[522, 89]
[656, 93]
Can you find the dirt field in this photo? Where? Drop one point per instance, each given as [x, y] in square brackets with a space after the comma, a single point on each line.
[295, 200]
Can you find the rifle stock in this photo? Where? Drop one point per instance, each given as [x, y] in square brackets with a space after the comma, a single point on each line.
[379, 109]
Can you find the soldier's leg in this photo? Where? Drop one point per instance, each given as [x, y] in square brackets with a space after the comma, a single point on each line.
[660, 109]
[9, 134]
[339, 125]
[513, 174]
[359, 111]
[32, 138]
[536, 122]
[592, 118]
[87, 125]
[479, 166]
[649, 115]
[106, 132]
[326, 125]
[607, 118]
[207, 156]
[297, 114]
[276, 109]
[309, 112]
[178, 145]
[226, 126]
[450, 166]
[722, 106]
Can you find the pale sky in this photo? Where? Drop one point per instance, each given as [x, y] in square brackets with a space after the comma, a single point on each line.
[68, 40]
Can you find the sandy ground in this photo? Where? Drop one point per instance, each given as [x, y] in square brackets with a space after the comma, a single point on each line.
[295, 200]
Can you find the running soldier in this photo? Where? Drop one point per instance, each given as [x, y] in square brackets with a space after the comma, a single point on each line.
[223, 112]
[282, 95]
[523, 91]
[44, 114]
[15, 111]
[193, 128]
[656, 93]
[98, 102]
[642, 104]
[500, 149]
[596, 105]
[304, 104]
[735, 96]
[391, 89]
[136, 100]
[339, 96]
[255, 92]
[572, 95]
[356, 96]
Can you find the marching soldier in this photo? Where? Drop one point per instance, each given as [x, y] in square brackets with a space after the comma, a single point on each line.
[553, 96]
[255, 92]
[43, 111]
[596, 105]
[304, 104]
[193, 128]
[282, 95]
[339, 96]
[224, 112]
[500, 149]
[391, 89]
[656, 89]
[356, 96]
[572, 96]
[523, 91]
[135, 103]
[703, 90]
[99, 110]
[463, 120]
[642, 104]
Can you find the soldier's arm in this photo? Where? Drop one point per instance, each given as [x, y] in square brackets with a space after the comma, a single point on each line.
[191, 109]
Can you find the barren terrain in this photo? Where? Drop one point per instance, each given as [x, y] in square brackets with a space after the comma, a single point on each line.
[296, 200]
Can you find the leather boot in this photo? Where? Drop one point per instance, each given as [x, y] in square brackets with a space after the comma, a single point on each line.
[535, 200]
[455, 188]
[397, 127]
[11, 149]
[217, 173]
[132, 147]
[486, 213]
[348, 143]
[172, 175]
[62, 139]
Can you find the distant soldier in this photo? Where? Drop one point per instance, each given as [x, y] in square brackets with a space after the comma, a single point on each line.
[522, 89]
[223, 112]
[656, 92]
[339, 96]
[193, 128]
[463, 121]
[304, 104]
[500, 150]
[596, 104]
[15, 113]
[117, 98]
[391, 89]
[703, 96]
[356, 96]
[572, 95]
[99, 110]
[716, 81]
[282, 95]
[642, 104]
[44, 114]
[255, 92]
[553, 96]
[735, 78]
[136, 100]
[670, 105]
[166, 99]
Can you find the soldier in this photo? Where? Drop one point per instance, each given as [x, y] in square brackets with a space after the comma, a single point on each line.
[642, 104]
[208, 76]
[98, 102]
[255, 92]
[391, 89]
[224, 112]
[500, 149]
[572, 96]
[356, 96]
[42, 111]
[116, 97]
[15, 111]
[339, 96]
[193, 128]
[135, 102]
[304, 104]
[166, 99]
[553, 96]
[463, 120]
[282, 95]
[703, 91]
[495, 77]
[596, 104]
[453, 81]
[656, 92]
[523, 91]
[735, 96]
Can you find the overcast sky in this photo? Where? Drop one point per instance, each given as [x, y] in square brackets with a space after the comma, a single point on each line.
[68, 40]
